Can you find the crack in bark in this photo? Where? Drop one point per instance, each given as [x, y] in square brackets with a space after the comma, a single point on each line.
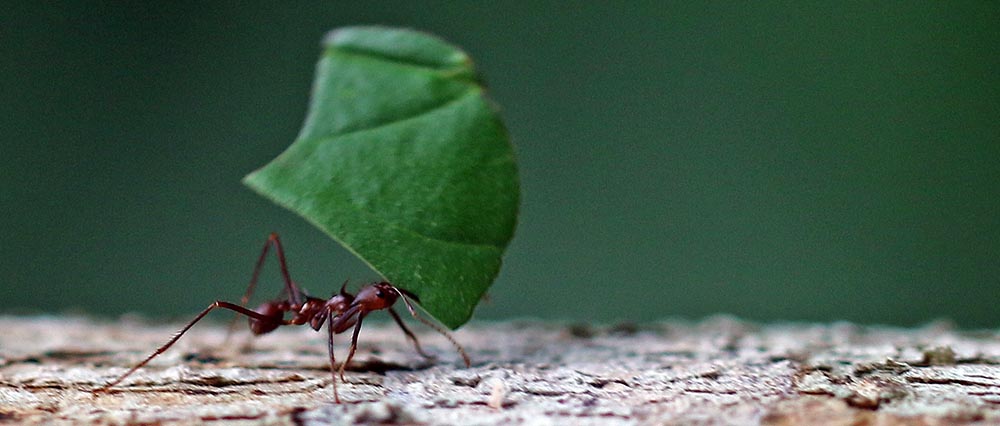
[713, 391]
[55, 355]
[948, 381]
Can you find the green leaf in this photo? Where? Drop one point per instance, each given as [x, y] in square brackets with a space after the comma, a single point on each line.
[404, 162]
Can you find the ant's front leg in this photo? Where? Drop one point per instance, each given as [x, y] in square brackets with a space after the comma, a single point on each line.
[409, 334]
[413, 312]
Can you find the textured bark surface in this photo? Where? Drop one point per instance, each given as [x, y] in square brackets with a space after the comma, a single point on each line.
[718, 371]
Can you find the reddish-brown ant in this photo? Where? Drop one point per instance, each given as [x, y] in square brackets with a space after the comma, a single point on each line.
[339, 313]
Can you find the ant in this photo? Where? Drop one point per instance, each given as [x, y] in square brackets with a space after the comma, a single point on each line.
[340, 312]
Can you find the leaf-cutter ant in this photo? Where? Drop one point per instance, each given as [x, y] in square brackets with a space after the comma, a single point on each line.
[340, 312]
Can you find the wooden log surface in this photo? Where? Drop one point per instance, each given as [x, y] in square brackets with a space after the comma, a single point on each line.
[717, 371]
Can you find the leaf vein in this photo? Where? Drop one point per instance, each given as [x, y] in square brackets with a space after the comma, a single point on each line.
[413, 116]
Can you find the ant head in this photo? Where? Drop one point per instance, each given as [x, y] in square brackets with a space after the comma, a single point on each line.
[391, 288]
[376, 296]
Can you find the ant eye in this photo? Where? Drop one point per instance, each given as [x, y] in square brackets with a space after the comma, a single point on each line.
[380, 294]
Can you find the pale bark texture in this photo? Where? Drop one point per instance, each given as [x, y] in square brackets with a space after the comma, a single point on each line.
[717, 371]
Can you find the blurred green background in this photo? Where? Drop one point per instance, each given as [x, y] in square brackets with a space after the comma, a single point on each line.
[770, 160]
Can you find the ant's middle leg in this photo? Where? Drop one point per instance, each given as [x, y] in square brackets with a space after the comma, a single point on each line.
[354, 345]
[333, 359]
[217, 304]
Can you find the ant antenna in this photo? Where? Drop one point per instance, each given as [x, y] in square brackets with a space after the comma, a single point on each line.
[438, 328]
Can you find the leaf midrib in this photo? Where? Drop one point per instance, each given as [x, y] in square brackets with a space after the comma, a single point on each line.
[378, 126]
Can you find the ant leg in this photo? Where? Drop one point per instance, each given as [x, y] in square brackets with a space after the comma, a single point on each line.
[413, 312]
[217, 304]
[333, 360]
[354, 346]
[409, 334]
[294, 293]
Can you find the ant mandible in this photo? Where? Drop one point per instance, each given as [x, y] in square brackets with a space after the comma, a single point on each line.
[340, 312]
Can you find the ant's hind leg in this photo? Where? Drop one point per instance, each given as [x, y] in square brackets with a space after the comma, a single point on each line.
[409, 334]
[217, 304]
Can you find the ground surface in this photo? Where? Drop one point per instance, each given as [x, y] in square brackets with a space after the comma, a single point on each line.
[719, 371]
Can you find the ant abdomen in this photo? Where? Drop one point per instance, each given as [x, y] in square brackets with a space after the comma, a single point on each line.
[274, 319]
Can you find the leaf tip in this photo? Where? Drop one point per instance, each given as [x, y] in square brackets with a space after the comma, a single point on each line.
[399, 44]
